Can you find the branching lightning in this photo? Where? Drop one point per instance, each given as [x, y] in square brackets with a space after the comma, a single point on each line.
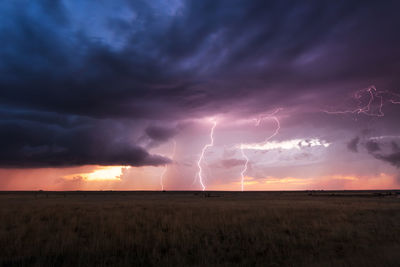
[200, 172]
[242, 146]
[367, 108]
[394, 98]
[166, 167]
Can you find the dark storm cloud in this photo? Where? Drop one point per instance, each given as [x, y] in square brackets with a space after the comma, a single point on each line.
[372, 146]
[389, 155]
[393, 158]
[395, 146]
[195, 58]
[353, 144]
[154, 135]
[32, 144]
[149, 60]
[159, 133]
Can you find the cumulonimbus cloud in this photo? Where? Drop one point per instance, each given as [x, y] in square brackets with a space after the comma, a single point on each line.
[59, 73]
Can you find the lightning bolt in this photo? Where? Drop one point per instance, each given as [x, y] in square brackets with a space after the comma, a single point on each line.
[199, 174]
[257, 123]
[166, 167]
[395, 98]
[366, 108]
[244, 168]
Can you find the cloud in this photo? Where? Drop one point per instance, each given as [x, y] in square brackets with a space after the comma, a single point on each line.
[158, 133]
[32, 144]
[395, 147]
[372, 146]
[229, 163]
[375, 149]
[287, 144]
[353, 144]
[393, 158]
[70, 86]
[205, 68]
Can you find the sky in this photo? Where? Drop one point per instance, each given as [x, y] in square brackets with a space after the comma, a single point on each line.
[199, 95]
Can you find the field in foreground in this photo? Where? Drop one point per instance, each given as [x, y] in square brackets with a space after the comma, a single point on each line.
[188, 229]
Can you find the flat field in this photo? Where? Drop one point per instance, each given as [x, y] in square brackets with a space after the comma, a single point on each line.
[347, 228]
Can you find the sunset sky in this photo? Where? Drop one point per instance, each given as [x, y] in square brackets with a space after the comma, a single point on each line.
[192, 95]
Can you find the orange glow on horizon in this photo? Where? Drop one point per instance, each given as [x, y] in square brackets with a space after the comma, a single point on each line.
[132, 178]
[331, 182]
[101, 173]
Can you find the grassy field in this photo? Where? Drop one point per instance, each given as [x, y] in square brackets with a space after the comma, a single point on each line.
[189, 229]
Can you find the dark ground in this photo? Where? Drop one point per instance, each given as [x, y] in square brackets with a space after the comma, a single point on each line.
[104, 228]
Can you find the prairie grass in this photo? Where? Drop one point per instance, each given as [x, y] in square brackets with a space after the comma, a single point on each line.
[187, 229]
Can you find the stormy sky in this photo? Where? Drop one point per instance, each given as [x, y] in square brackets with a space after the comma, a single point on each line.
[309, 88]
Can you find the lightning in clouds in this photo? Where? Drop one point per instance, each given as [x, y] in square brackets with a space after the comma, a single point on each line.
[199, 174]
[288, 144]
[394, 98]
[370, 102]
[166, 167]
[249, 146]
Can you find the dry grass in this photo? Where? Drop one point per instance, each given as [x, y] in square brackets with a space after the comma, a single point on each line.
[185, 229]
